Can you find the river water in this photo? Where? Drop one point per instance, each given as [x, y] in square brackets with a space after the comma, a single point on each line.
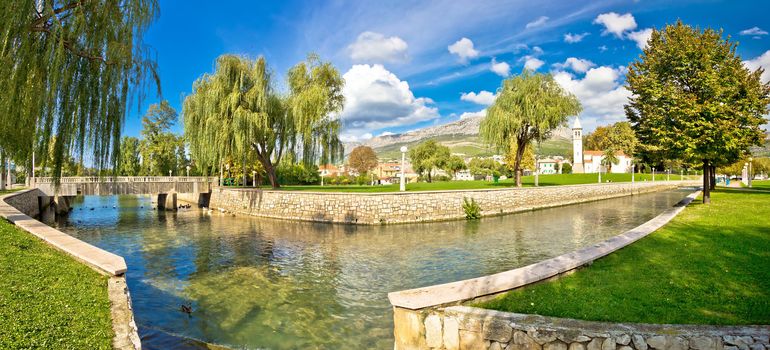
[255, 283]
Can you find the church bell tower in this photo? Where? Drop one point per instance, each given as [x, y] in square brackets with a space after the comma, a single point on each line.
[577, 147]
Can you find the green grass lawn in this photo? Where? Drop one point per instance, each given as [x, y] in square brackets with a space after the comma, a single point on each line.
[709, 265]
[47, 299]
[6, 191]
[761, 184]
[545, 180]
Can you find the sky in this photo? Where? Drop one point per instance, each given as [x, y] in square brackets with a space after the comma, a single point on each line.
[412, 64]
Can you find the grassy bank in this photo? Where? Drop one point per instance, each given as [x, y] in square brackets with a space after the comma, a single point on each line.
[761, 185]
[545, 180]
[47, 299]
[709, 265]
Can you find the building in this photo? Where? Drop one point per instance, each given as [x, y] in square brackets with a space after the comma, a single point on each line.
[549, 166]
[590, 161]
[328, 170]
[463, 175]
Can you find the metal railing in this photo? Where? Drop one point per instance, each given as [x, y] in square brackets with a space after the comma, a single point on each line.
[125, 179]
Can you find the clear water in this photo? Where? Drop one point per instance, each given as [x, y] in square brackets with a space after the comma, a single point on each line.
[257, 283]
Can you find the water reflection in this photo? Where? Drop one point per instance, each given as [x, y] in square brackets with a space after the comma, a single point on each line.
[257, 283]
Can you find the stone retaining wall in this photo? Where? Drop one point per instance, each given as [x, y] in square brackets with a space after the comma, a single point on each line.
[25, 201]
[462, 327]
[403, 207]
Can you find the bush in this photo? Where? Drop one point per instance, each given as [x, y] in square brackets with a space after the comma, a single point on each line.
[566, 168]
[472, 209]
[297, 174]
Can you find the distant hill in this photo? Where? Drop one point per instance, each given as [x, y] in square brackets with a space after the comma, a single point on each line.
[462, 137]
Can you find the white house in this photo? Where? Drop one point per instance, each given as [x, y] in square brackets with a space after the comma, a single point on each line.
[589, 161]
[549, 166]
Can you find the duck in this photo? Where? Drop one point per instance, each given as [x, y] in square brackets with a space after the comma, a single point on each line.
[186, 309]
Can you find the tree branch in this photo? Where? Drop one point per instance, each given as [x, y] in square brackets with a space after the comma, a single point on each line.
[71, 48]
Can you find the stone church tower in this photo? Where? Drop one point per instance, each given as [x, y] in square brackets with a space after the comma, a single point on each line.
[577, 147]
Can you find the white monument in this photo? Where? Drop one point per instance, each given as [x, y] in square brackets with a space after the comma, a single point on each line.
[577, 147]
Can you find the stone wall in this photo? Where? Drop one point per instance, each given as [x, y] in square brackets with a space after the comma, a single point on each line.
[25, 202]
[403, 207]
[462, 327]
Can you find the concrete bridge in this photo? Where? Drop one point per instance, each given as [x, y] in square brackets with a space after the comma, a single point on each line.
[164, 187]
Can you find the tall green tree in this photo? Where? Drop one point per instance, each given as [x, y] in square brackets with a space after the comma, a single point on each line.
[67, 69]
[427, 156]
[236, 111]
[694, 100]
[455, 164]
[160, 148]
[618, 136]
[609, 157]
[528, 108]
[130, 163]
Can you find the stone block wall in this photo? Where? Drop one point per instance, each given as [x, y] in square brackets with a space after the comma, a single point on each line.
[403, 207]
[462, 327]
[25, 201]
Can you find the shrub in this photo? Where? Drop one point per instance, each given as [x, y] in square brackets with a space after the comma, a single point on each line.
[472, 209]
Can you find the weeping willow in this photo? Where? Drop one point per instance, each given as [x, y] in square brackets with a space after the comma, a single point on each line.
[528, 107]
[67, 71]
[236, 113]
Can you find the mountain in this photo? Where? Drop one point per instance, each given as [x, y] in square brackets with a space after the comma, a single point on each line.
[462, 137]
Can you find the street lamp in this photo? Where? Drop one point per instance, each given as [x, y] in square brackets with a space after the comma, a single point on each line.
[750, 176]
[188, 171]
[169, 173]
[632, 172]
[537, 170]
[254, 177]
[403, 162]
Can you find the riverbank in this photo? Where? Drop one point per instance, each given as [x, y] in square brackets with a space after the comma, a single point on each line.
[707, 266]
[527, 181]
[48, 299]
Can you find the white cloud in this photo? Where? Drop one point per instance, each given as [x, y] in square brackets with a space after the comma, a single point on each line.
[753, 31]
[481, 113]
[463, 48]
[500, 68]
[376, 98]
[578, 65]
[616, 24]
[532, 63]
[603, 48]
[537, 22]
[386, 133]
[763, 62]
[483, 97]
[574, 38]
[600, 91]
[641, 37]
[376, 48]
[537, 50]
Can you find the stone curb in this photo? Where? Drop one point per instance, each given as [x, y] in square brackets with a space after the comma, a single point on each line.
[456, 292]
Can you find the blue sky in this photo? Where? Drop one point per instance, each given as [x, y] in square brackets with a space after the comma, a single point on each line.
[410, 64]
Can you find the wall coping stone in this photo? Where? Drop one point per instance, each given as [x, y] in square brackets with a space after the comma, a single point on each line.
[511, 188]
[456, 292]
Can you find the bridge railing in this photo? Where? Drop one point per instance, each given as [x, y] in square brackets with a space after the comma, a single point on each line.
[124, 179]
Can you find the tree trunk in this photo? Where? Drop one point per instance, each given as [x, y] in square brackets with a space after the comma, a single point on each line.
[520, 146]
[2, 171]
[706, 183]
[713, 174]
[430, 178]
[271, 175]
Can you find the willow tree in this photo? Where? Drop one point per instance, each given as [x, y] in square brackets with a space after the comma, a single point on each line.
[528, 108]
[68, 69]
[694, 100]
[236, 111]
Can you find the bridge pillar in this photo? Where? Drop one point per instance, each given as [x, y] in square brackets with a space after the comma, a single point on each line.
[161, 200]
[63, 204]
[171, 201]
[47, 208]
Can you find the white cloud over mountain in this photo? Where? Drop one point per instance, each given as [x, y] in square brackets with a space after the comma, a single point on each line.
[371, 47]
[616, 24]
[483, 97]
[502, 69]
[375, 98]
[463, 48]
[762, 61]
[481, 113]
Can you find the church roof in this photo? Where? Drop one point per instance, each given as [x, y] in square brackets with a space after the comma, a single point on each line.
[577, 124]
